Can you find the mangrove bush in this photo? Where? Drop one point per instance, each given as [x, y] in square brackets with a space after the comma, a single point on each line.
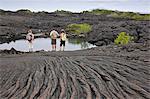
[123, 38]
[79, 28]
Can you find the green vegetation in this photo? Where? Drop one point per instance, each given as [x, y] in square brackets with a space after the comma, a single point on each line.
[79, 28]
[131, 15]
[42, 13]
[24, 11]
[118, 14]
[123, 39]
[109, 13]
[63, 12]
[99, 11]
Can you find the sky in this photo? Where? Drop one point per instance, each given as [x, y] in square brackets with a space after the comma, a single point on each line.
[142, 6]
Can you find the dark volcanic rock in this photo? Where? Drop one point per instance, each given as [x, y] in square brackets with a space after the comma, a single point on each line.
[106, 31]
[11, 51]
[14, 25]
[106, 72]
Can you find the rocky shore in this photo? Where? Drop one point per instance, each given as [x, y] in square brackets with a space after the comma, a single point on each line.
[14, 25]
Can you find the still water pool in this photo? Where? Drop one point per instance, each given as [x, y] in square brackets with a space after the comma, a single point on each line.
[45, 44]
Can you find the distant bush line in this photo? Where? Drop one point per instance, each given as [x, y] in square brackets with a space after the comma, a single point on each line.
[119, 14]
[111, 13]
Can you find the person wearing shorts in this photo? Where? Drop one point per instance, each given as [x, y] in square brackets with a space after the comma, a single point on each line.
[53, 34]
[62, 43]
[62, 40]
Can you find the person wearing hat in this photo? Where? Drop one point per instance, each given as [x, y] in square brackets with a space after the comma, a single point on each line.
[63, 38]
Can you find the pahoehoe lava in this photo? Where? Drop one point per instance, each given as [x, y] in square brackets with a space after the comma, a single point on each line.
[88, 74]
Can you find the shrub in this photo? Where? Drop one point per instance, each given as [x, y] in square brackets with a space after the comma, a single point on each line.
[79, 28]
[123, 39]
[63, 11]
[119, 14]
[99, 12]
[25, 12]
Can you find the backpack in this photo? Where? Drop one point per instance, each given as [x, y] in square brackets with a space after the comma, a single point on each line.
[63, 37]
[29, 37]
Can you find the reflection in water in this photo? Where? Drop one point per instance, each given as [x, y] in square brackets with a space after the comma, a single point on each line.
[80, 42]
[45, 44]
[75, 41]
